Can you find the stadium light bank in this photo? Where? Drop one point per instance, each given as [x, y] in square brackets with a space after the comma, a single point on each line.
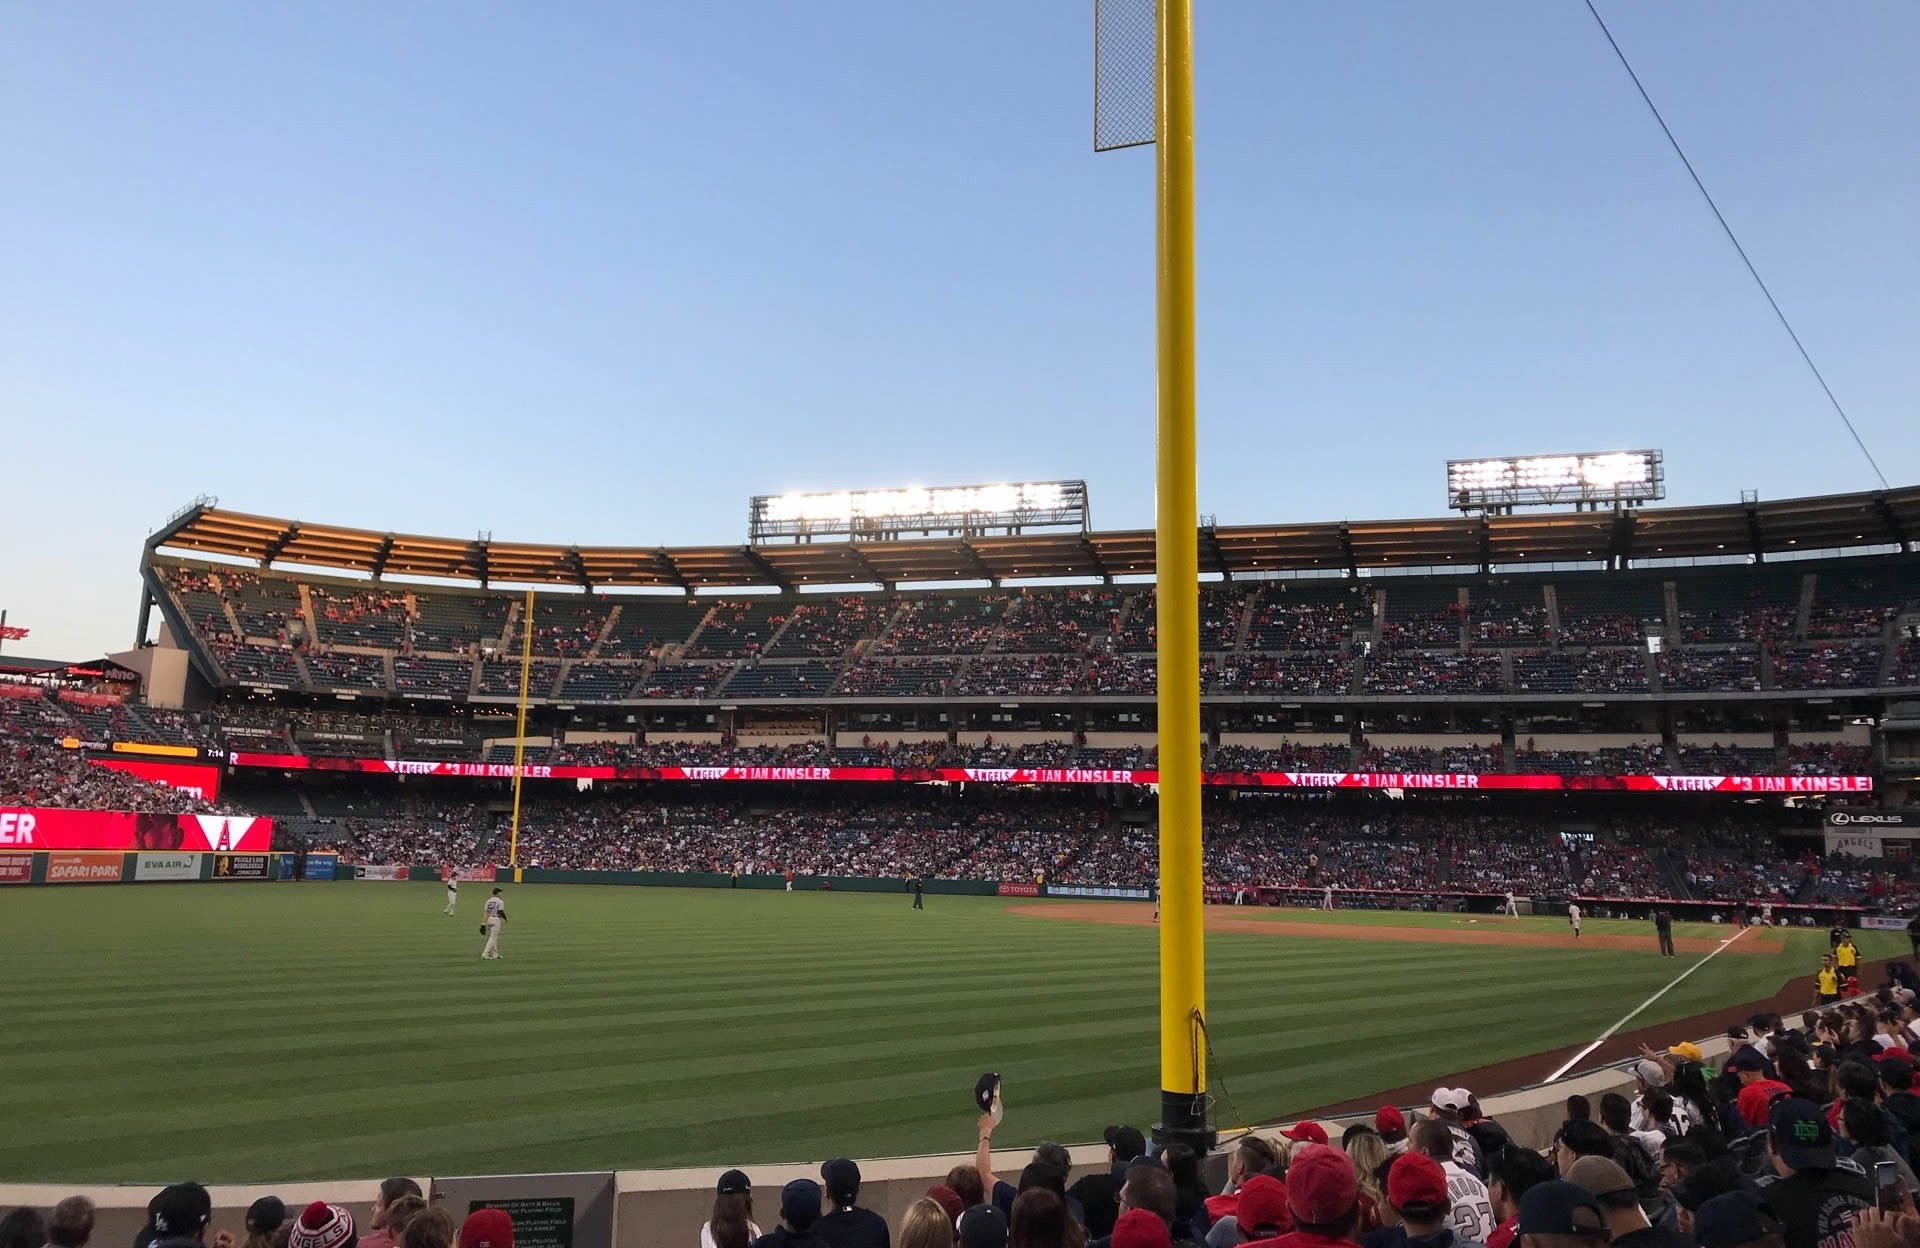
[1588, 480]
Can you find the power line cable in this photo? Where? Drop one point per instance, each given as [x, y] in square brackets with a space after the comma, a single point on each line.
[1732, 238]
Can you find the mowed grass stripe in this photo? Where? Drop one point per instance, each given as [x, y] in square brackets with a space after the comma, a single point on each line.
[351, 1029]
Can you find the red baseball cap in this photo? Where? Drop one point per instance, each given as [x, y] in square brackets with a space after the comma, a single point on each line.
[1416, 1180]
[948, 1200]
[1141, 1228]
[1262, 1204]
[487, 1228]
[1311, 1132]
[1388, 1120]
[1321, 1185]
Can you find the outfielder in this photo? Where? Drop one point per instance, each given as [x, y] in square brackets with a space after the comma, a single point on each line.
[496, 919]
[1573, 917]
[453, 894]
[1326, 898]
[1513, 905]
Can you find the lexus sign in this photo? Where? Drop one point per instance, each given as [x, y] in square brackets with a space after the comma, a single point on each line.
[1872, 819]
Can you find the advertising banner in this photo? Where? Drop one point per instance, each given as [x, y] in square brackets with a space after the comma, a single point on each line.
[241, 866]
[1019, 890]
[35, 827]
[364, 872]
[84, 868]
[1885, 822]
[16, 868]
[166, 867]
[319, 867]
[200, 779]
[1419, 781]
[1883, 922]
[1864, 843]
[155, 747]
[1079, 890]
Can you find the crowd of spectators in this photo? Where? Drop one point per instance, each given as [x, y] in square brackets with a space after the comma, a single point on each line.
[1067, 836]
[1394, 854]
[1906, 664]
[887, 676]
[1303, 622]
[1471, 759]
[1828, 665]
[1432, 672]
[36, 770]
[1287, 757]
[934, 625]
[1021, 675]
[369, 617]
[1322, 673]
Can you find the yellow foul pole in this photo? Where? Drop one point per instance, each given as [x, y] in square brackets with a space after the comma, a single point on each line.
[520, 731]
[1183, 1075]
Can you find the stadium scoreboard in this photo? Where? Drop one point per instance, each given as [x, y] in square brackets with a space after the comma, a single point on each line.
[955, 510]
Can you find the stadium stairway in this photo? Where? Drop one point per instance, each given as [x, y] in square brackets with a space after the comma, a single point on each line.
[1245, 626]
[1672, 875]
[606, 630]
[307, 618]
[1803, 613]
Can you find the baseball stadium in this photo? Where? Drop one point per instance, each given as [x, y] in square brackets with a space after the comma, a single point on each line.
[928, 864]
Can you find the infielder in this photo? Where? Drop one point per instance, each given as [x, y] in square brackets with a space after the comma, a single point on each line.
[1573, 917]
[453, 894]
[1326, 898]
[496, 919]
[1513, 905]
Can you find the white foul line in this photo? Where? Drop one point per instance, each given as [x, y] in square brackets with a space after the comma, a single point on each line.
[1608, 1033]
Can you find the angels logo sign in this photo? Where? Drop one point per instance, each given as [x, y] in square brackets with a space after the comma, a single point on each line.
[225, 833]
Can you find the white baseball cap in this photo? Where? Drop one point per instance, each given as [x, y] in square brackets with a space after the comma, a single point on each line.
[1454, 1099]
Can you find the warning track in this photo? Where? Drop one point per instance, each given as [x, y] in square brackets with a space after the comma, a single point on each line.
[1489, 933]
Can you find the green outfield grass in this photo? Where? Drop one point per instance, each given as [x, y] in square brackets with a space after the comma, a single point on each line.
[258, 1032]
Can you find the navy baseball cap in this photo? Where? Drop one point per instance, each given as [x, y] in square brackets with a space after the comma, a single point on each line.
[841, 1178]
[800, 1203]
[983, 1226]
[181, 1210]
[1800, 1134]
[1732, 1219]
[1558, 1207]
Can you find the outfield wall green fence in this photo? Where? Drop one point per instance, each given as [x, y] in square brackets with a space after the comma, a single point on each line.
[61, 867]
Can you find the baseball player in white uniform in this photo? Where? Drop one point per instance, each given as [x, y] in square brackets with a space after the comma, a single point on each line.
[453, 894]
[1513, 905]
[496, 919]
[1573, 917]
[1326, 898]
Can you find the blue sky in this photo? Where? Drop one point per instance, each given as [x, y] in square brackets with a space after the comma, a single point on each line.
[600, 273]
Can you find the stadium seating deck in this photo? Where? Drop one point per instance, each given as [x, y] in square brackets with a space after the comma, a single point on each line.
[737, 629]
[647, 622]
[1612, 609]
[1508, 613]
[1564, 634]
[341, 669]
